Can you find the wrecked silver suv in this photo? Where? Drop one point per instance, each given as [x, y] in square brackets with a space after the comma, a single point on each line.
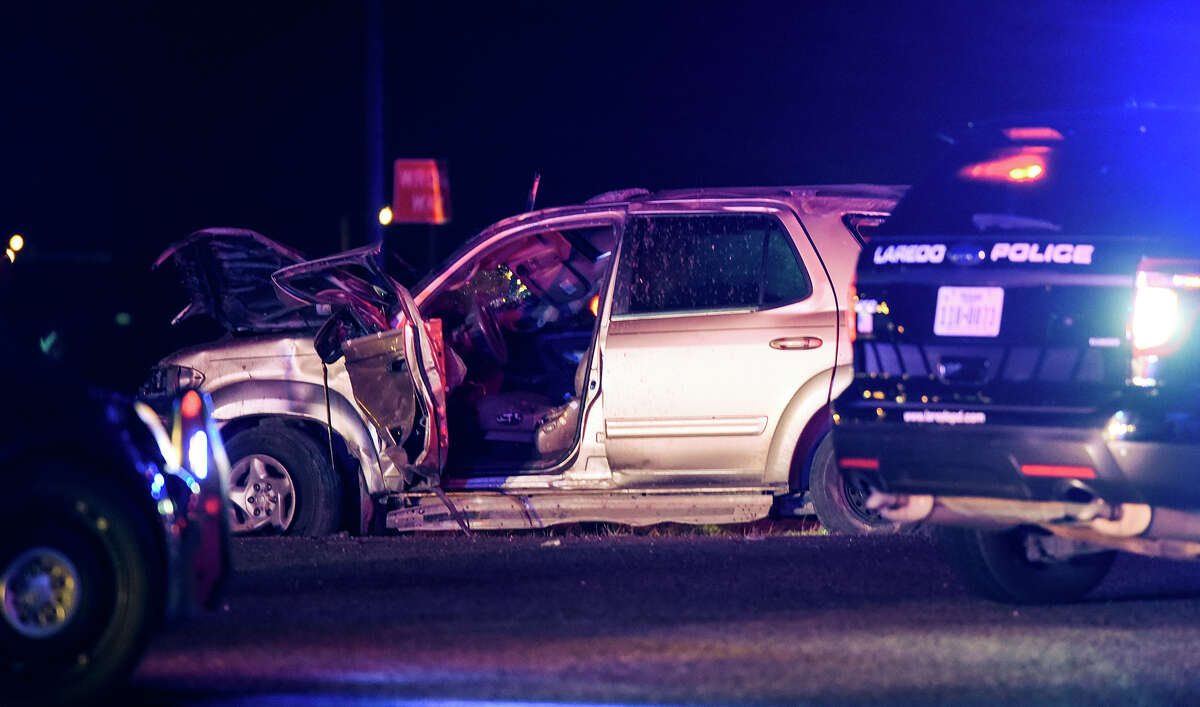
[640, 358]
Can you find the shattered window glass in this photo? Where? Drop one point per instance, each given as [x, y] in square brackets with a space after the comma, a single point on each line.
[707, 262]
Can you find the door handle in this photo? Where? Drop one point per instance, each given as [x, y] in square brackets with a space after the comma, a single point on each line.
[796, 343]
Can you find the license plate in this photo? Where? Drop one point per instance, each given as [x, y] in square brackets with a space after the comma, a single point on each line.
[968, 311]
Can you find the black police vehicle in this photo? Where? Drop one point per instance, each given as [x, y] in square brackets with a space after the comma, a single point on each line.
[112, 522]
[1025, 358]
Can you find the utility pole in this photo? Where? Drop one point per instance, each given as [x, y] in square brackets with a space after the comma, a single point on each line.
[374, 111]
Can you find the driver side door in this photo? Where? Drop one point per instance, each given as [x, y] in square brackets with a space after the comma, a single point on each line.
[398, 378]
[393, 357]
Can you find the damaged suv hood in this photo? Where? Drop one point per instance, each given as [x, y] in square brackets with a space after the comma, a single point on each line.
[227, 275]
[352, 278]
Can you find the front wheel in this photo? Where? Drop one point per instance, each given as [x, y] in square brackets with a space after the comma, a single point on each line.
[999, 565]
[281, 482]
[841, 501]
[80, 589]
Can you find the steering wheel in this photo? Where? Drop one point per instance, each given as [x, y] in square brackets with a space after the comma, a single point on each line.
[485, 331]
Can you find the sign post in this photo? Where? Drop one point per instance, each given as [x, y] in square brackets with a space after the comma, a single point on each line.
[421, 194]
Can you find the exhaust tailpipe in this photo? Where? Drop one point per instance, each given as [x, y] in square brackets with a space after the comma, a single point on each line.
[901, 508]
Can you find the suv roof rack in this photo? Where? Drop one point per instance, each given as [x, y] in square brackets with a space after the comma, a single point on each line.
[617, 195]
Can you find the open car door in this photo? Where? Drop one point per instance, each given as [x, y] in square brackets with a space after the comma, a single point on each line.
[394, 359]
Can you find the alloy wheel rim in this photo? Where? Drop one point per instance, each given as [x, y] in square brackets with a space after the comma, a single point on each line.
[262, 494]
[40, 591]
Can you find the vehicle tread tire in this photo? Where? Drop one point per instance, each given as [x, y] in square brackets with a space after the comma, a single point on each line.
[833, 508]
[994, 565]
[85, 517]
[318, 487]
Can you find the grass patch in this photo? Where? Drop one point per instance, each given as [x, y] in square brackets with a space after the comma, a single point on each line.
[766, 527]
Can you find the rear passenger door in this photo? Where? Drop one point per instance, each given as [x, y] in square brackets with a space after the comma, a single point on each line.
[717, 319]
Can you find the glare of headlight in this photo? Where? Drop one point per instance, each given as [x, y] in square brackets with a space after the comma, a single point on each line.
[385, 215]
[198, 454]
[1119, 427]
[1155, 310]
[16, 242]
[148, 417]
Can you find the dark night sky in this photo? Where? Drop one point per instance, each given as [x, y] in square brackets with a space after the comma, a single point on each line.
[128, 125]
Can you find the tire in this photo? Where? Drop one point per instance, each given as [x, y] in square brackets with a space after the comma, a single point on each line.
[79, 537]
[995, 565]
[840, 502]
[298, 492]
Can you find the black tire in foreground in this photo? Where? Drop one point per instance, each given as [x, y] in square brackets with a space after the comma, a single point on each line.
[80, 586]
[286, 477]
[839, 501]
[996, 565]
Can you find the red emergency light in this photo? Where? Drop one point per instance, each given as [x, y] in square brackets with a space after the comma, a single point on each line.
[1041, 133]
[1020, 165]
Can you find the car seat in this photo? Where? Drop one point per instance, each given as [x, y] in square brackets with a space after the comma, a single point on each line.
[533, 418]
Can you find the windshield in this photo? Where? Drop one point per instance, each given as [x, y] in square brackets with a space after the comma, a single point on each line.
[1133, 175]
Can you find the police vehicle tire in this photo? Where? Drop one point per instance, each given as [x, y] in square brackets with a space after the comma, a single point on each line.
[995, 565]
[78, 534]
[316, 485]
[839, 504]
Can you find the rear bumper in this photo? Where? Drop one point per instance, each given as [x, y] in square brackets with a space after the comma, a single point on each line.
[1024, 462]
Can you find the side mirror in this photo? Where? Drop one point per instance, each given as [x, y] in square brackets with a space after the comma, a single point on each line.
[339, 328]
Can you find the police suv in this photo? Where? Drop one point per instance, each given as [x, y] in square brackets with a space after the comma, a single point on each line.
[1025, 369]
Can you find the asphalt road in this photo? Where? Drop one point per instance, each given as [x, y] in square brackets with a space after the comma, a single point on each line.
[635, 619]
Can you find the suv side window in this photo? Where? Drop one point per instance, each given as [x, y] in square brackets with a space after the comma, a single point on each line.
[705, 262]
[863, 226]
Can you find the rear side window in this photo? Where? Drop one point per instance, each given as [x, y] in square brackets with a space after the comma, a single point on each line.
[707, 262]
[862, 226]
